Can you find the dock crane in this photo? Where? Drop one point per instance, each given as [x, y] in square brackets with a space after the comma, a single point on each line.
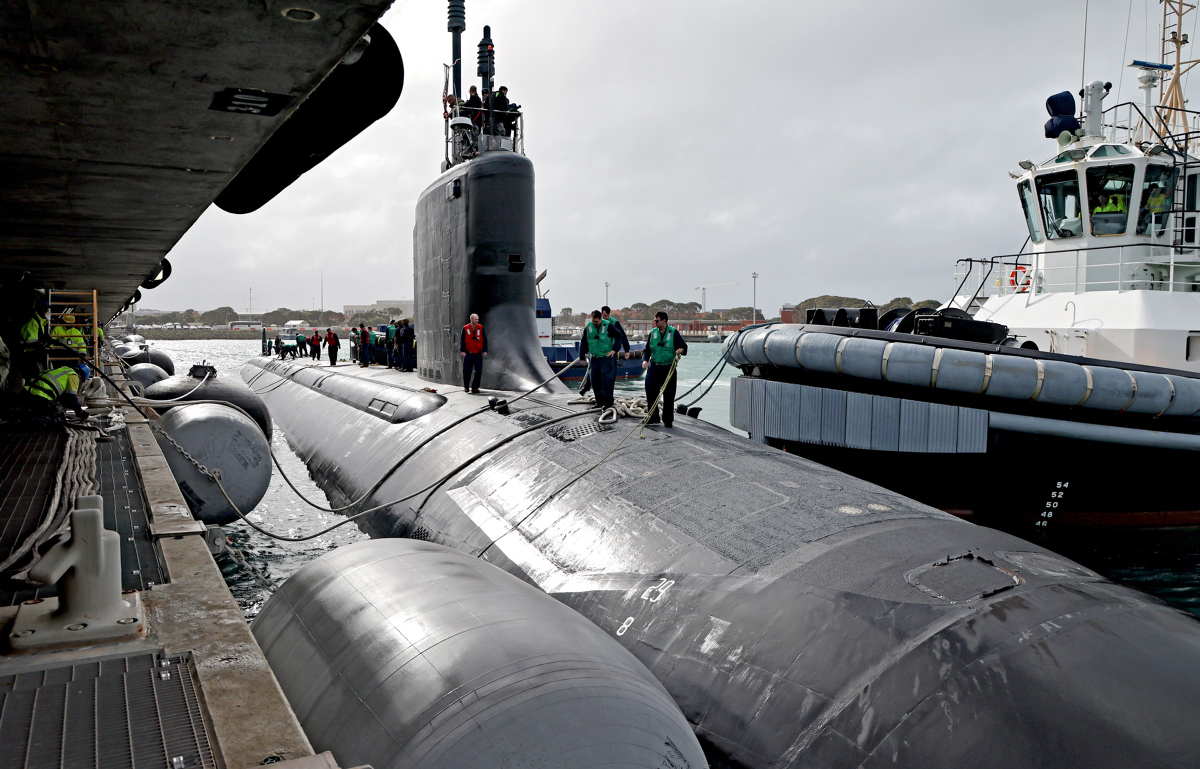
[704, 293]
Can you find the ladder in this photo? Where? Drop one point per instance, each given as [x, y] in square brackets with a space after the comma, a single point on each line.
[77, 304]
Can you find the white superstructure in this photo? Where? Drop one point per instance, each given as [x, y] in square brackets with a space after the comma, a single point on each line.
[1112, 265]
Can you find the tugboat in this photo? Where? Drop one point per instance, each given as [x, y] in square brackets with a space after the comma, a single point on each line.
[1111, 265]
[1022, 406]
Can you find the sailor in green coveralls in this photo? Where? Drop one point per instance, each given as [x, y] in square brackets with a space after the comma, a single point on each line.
[600, 340]
[657, 358]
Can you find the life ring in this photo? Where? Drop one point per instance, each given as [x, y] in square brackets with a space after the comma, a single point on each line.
[1019, 279]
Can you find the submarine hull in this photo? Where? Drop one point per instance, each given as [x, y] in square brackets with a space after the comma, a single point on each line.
[797, 615]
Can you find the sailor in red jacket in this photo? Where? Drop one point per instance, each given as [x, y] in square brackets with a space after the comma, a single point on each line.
[472, 348]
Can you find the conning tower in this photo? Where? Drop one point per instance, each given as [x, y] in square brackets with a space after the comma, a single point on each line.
[473, 243]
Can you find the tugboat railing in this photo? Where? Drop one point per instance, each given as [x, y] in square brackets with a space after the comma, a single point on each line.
[1075, 270]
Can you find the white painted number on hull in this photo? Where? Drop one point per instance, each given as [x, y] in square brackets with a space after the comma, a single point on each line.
[655, 592]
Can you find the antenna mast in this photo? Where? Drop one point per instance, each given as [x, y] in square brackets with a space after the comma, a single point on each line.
[456, 25]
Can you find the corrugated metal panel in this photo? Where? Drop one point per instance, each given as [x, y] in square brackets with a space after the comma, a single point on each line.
[758, 410]
[833, 417]
[914, 426]
[885, 423]
[739, 403]
[772, 406]
[943, 428]
[858, 420]
[787, 423]
[972, 431]
[810, 414]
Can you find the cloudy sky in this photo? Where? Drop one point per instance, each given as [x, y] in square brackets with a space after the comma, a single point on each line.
[845, 148]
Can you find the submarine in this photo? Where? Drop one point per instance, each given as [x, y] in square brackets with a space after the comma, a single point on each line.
[796, 615]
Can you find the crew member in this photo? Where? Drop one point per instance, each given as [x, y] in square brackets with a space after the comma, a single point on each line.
[69, 334]
[364, 345]
[391, 344]
[504, 119]
[662, 346]
[59, 385]
[331, 345]
[279, 346]
[599, 340]
[408, 336]
[622, 344]
[1156, 200]
[623, 339]
[472, 348]
[474, 104]
[33, 341]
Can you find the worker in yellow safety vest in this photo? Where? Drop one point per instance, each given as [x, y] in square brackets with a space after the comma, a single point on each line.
[69, 334]
[1156, 200]
[33, 339]
[58, 385]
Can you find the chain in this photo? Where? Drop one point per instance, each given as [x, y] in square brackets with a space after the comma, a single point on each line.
[228, 547]
[235, 554]
[213, 474]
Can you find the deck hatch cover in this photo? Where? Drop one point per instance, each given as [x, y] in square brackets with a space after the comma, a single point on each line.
[131, 711]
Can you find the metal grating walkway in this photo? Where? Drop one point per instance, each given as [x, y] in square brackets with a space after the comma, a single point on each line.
[124, 512]
[135, 711]
[29, 459]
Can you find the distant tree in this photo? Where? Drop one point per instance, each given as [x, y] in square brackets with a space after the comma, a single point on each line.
[639, 311]
[282, 315]
[219, 316]
[740, 313]
[566, 313]
[331, 318]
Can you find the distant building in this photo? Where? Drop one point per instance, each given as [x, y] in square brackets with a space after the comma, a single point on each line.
[788, 313]
[405, 306]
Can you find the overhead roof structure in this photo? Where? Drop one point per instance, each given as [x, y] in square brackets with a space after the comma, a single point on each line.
[120, 122]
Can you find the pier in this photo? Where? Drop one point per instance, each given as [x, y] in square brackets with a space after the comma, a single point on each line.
[194, 690]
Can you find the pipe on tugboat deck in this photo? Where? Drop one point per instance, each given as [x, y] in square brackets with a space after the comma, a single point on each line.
[1084, 431]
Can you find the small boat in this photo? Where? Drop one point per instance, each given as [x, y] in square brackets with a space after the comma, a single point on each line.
[561, 354]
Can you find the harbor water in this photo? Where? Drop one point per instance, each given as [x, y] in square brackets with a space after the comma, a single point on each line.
[1162, 562]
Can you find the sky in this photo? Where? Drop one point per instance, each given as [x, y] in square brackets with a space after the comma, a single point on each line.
[855, 149]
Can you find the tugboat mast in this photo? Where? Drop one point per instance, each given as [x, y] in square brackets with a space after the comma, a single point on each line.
[1173, 115]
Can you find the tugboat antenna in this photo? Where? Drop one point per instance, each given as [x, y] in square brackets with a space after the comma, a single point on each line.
[456, 25]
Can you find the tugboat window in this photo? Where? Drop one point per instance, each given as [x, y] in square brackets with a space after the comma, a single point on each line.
[1158, 187]
[1110, 150]
[1058, 195]
[1029, 206]
[1109, 191]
